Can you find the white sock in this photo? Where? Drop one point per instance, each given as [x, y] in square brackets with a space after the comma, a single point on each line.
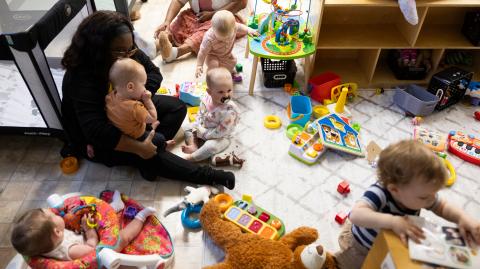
[146, 45]
[409, 10]
[147, 211]
[117, 202]
[173, 55]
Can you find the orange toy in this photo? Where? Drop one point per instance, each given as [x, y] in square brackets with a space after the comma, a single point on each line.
[249, 251]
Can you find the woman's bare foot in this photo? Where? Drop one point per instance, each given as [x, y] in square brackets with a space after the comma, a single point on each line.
[189, 148]
[164, 46]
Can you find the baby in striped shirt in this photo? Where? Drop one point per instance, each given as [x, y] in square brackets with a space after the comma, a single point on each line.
[410, 176]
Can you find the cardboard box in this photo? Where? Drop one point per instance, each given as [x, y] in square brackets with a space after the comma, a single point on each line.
[388, 243]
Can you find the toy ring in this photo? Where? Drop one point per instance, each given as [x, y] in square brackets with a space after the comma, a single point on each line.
[320, 111]
[293, 129]
[94, 224]
[224, 200]
[187, 221]
[453, 175]
[69, 165]
[272, 122]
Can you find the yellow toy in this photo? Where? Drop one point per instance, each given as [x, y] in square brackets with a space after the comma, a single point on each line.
[192, 113]
[272, 122]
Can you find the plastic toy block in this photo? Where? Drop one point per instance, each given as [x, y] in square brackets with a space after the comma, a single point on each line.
[276, 224]
[130, 212]
[252, 210]
[356, 126]
[341, 217]
[477, 115]
[343, 187]
[264, 217]
[239, 68]
[312, 153]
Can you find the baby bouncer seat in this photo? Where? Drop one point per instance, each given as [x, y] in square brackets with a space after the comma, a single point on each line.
[152, 248]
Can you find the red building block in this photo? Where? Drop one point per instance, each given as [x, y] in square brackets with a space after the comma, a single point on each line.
[343, 187]
[477, 115]
[341, 217]
[264, 217]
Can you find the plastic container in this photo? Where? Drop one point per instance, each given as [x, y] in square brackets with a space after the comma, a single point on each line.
[415, 100]
[299, 110]
[276, 73]
[320, 86]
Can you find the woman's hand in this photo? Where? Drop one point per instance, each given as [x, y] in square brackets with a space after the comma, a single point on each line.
[205, 16]
[470, 230]
[198, 71]
[406, 229]
[148, 149]
[162, 27]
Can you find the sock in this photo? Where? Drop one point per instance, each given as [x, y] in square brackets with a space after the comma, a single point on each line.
[146, 45]
[117, 202]
[409, 10]
[173, 55]
[225, 178]
[147, 211]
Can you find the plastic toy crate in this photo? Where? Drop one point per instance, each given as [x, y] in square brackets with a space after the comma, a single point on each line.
[416, 100]
[471, 27]
[405, 72]
[450, 86]
[276, 73]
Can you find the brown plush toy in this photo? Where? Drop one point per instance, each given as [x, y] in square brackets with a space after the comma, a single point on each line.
[246, 250]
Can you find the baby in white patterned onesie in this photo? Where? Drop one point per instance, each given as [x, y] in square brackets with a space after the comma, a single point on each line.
[216, 119]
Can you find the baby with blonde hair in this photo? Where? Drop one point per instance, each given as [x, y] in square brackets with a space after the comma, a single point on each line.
[218, 41]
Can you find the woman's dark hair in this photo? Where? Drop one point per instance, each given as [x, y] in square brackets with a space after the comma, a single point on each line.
[90, 46]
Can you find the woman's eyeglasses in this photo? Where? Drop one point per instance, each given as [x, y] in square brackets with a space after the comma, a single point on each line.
[125, 53]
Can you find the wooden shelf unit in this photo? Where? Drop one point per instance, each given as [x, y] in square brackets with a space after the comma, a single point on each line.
[354, 37]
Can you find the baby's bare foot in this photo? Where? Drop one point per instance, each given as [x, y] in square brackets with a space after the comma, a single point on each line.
[170, 145]
[189, 149]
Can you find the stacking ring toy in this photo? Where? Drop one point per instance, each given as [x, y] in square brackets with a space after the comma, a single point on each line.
[320, 111]
[187, 221]
[224, 200]
[293, 129]
[69, 165]
[272, 122]
[453, 175]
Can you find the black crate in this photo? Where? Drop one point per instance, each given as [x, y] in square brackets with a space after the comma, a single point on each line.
[405, 72]
[276, 73]
[450, 86]
[471, 27]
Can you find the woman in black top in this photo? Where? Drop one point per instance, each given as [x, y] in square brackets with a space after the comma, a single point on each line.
[100, 39]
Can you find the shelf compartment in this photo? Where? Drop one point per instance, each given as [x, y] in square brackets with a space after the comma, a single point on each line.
[389, 3]
[475, 67]
[352, 65]
[384, 76]
[442, 28]
[360, 27]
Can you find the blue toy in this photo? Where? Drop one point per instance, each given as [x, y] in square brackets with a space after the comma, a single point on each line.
[474, 92]
[192, 92]
[130, 212]
[187, 220]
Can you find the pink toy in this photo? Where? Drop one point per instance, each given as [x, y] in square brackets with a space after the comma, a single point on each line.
[417, 120]
[343, 187]
[341, 218]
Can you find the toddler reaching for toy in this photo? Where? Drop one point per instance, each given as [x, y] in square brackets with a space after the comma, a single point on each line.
[218, 41]
[129, 105]
[40, 232]
[410, 176]
[216, 119]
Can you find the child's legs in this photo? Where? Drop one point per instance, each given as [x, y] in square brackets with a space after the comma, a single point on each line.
[129, 233]
[351, 254]
[229, 63]
[158, 139]
[212, 62]
[210, 148]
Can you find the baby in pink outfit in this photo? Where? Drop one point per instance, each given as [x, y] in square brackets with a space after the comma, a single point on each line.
[217, 44]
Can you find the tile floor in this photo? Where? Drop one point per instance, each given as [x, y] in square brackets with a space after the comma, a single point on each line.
[298, 194]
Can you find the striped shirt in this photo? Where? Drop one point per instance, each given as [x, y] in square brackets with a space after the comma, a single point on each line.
[380, 200]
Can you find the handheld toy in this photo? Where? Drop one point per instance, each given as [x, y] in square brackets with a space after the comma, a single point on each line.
[306, 145]
[433, 140]
[192, 113]
[192, 92]
[335, 133]
[272, 122]
[467, 147]
[252, 219]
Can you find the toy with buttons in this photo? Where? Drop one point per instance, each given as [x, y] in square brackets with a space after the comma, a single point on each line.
[192, 92]
[250, 217]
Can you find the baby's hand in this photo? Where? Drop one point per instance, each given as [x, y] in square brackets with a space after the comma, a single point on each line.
[470, 230]
[87, 217]
[406, 229]
[147, 95]
[199, 71]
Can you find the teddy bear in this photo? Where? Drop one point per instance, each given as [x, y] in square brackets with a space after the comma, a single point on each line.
[246, 250]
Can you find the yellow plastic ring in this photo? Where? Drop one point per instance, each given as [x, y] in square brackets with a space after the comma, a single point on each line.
[69, 165]
[224, 200]
[320, 111]
[272, 122]
[453, 175]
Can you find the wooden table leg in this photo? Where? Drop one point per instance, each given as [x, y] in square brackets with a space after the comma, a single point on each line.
[306, 70]
[247, 48]
[253, 75]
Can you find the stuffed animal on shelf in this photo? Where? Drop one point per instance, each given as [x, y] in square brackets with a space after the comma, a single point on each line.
[246, 250]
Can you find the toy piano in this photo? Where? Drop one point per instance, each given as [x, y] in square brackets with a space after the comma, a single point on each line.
[467, 147]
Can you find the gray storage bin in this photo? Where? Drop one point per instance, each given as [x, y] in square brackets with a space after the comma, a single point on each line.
[416, 100]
